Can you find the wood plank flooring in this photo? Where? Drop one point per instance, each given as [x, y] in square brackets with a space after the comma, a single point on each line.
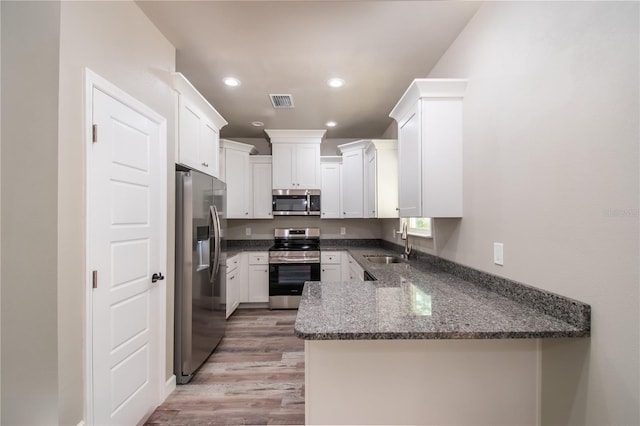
[255, 376]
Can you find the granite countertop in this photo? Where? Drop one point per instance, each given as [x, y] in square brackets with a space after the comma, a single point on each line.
[422, 300]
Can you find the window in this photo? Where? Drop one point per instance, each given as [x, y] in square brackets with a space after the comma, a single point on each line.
[417, 226]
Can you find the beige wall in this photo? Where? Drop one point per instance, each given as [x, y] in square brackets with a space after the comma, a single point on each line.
[29, 382]
[329, 228]
[117, 41]
[551, 165]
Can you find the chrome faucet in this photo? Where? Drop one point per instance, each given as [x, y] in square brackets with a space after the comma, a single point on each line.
[405, 237]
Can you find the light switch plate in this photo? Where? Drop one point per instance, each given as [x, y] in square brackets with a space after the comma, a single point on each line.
[343, 230]
[498, 254]
[247, 231]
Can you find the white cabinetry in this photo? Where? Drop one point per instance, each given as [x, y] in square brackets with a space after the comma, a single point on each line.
[261, 187]
[331, 190]
[258, 283]
[296, 158]
[353, 178]
[429, 117]
[238, 178]
[355, 271]
[233, 284]
[331, 266]
[381, 179]
[198, 129]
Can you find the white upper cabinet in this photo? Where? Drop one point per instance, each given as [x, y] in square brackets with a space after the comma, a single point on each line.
[261, 186]
[331, 190]
[296, 158]
[353, 178]
[381, 178]
[429, 117]
[198, 129]
[238, 178]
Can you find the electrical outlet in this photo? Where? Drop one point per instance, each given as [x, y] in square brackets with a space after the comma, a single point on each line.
[343, 230]
[247, 231]
[498, 254]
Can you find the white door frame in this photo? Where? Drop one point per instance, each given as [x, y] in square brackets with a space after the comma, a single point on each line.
[94, 81]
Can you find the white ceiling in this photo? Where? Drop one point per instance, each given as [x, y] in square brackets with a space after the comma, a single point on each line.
[294, 47]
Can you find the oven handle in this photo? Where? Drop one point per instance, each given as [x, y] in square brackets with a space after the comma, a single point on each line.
[312, 260]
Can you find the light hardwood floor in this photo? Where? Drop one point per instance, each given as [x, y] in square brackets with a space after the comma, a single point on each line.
[255, 376]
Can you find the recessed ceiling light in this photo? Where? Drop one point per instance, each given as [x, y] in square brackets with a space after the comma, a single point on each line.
[335, 82]
[257, 123]
[331, 123]
[231, 81]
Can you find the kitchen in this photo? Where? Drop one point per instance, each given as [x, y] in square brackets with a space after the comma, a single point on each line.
[552, 172]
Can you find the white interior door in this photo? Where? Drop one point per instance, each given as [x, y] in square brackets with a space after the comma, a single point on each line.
[126, 239]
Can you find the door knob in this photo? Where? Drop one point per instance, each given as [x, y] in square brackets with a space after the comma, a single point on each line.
[157, 277]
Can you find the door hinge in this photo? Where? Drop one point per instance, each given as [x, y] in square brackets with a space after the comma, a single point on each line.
[94, 279]
[94, 133]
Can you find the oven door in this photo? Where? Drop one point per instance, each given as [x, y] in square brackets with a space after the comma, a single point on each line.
[287, 279]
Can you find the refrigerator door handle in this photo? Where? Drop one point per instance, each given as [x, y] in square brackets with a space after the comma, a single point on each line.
[215, 250]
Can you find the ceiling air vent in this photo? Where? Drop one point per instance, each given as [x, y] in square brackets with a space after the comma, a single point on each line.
[281, 101]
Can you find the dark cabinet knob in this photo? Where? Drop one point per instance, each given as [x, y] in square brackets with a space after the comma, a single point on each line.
[157, 277]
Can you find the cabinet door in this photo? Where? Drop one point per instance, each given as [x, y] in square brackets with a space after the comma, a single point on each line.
[352, 184]
[188, 133]
[208, 148]
[232, 298]
[283, 156]
[261, 188]
[330, 273]
[258, 283]
[371, 193]
[331, 191]
[409, 166]
[238, 188]
[442, 158]
[307, 167]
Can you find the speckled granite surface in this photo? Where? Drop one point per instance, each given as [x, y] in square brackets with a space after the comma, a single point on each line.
[432, 299]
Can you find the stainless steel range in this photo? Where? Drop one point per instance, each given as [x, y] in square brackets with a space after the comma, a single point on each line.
[293, 259]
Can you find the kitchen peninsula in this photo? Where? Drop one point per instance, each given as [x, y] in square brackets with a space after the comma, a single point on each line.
[428, 342]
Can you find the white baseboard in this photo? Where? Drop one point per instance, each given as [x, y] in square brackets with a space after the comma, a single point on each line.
[169, 386]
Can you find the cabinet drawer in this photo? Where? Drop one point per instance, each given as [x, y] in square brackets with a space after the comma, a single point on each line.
[330, 257]
[261, 258]
[233, 263]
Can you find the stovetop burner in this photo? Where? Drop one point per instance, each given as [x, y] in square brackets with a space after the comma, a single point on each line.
[296, 239]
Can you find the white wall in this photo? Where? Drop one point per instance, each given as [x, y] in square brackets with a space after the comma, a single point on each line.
[551, 169]
[29, 383]
[118, 42]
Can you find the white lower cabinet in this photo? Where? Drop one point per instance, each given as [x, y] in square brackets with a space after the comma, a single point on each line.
[233, 284]
[331, 266]
[258, 277]
[356, 272]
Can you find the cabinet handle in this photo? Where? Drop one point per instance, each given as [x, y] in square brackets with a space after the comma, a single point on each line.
[232, 277]
[246, 213]
[397, 209]
[205, 164]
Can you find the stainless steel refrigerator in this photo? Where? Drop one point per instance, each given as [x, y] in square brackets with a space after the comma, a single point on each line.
[200, 280]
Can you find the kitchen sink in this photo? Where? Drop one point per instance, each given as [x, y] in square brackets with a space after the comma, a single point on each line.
[382, 259]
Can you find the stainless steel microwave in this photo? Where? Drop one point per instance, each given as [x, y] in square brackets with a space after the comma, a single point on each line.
[296, 202]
